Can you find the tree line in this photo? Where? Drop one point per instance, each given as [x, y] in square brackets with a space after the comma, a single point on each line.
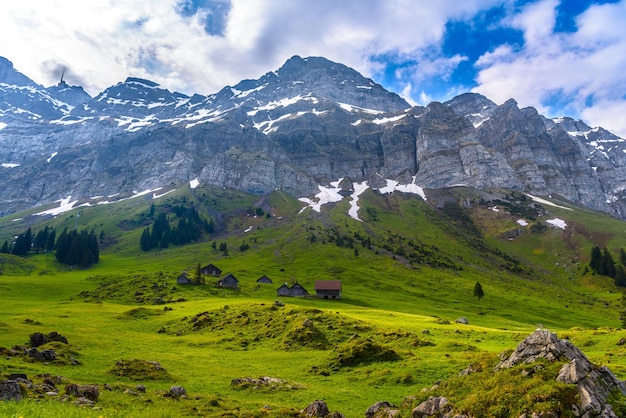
[72, 247]
[602, 263]
[189, 228]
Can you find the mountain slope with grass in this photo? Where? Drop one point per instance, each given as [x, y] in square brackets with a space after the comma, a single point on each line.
[407, 318]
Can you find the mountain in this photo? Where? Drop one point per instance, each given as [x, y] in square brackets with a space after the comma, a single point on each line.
[311, 125]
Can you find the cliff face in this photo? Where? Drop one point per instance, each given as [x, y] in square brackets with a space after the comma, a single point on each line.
[311, 122]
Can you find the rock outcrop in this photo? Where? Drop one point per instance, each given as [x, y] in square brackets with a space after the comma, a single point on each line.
[594, 383]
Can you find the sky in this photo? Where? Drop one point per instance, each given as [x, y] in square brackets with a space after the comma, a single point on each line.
[563, 57]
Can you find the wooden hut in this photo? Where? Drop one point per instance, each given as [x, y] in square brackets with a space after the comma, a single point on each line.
[328, 289]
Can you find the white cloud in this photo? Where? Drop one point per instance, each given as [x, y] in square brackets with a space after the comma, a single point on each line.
[585, 68]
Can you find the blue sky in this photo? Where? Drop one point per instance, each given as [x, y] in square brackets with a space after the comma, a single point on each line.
[564, 57]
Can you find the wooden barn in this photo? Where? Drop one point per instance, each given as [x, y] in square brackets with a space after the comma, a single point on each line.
[295, 290]
[211, 270]
[298, 290]
[228, 281]
[183, 279]
[264, 279]
[283, 290]
[328, 289]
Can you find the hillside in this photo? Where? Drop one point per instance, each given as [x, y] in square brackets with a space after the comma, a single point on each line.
[408, 268]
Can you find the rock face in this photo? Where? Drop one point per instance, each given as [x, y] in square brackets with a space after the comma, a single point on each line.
[594, 383]
[10, 391]
[309, 123]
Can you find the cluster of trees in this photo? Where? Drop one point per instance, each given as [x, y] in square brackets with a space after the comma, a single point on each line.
[72, 247]
[602, 263]
[77, 248]
[26, 242]
[189, 228]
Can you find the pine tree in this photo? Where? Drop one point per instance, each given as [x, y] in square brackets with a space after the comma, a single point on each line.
[596, 259]
[622, 256]
[620, 276]
[609, 264]
[478, 291]
[5, 248]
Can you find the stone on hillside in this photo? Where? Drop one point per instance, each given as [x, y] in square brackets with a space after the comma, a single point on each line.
[89, 392]
[55, 336]
[433, 406]
[462, 320]
[37, 339]
[594, 384]
[177, 392]
[382, 409]
[10, 391]
[542, 344]
[316, 409]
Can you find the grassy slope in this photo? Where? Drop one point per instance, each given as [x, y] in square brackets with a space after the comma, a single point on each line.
[386, 298]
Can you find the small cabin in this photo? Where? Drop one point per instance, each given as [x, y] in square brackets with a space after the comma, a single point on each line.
[298, 290]
[283, 290]
[264, 279]
[328, 289]
[228, 281]
[183, 279]
[211, 270]
[295, 290]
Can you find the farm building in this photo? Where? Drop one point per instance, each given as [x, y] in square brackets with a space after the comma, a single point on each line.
[283, 290]
[211, 270]
[183, 279]
[264, 279]
[295, 290]
[328, 289]
[228, 281]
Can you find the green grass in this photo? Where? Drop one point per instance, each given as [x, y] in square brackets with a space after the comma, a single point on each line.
[407, 271]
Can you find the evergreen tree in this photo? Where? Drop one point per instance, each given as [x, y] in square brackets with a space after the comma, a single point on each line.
[478, 291]
[620, 276]
[145, 242]
[198, 277]
[22, 243]
[622, 256]
[609, 264]
[51, 241]
[596, 259]
[5, 248]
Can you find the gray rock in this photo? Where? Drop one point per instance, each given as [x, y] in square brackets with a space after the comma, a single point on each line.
[10, 391]
[177, 392]
[382, 409]
[594, 384]
[433, 406]
[316, 409]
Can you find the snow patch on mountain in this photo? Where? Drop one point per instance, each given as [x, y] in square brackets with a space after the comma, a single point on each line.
[194, 183]
[559, 223]
[331, 194]
[381, 121]
[2, 125]
[546, 202]
[354, 109]
[9, 165]
[359, 188]
[54, 154]
[393, 186]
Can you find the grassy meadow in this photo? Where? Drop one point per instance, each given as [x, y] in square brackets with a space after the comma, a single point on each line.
[408, 272]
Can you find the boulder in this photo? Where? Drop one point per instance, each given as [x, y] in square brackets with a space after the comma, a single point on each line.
[594, 384]
[433, 406]
[462, 320]
[316, 409]
[382, 409]
[37, 339]
[177, 392]
[10, 391]
[89, 392]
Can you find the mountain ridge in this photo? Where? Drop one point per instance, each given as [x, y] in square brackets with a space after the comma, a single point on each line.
[308, 124]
